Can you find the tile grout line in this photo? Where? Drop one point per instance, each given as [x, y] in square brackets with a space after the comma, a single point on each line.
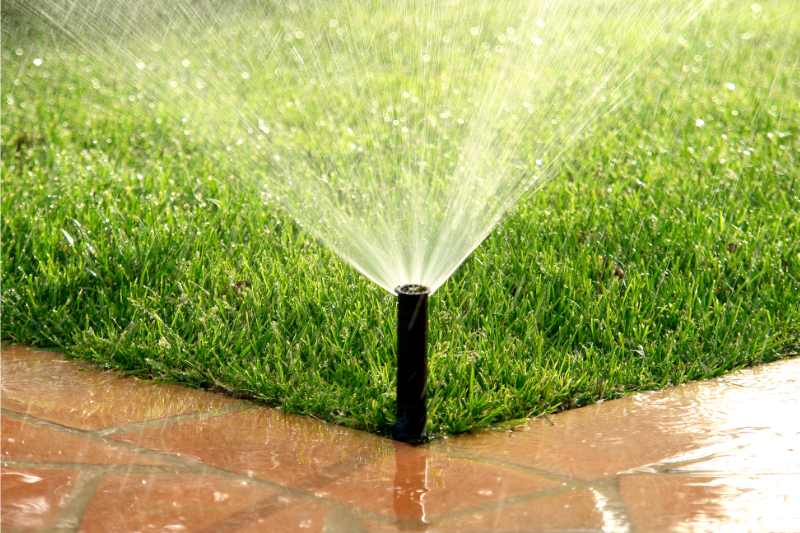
[71, 516]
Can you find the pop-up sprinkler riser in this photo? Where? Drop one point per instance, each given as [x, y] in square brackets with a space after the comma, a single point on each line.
[412, 368]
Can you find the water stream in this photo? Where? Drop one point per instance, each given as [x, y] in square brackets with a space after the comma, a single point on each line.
[397, 133]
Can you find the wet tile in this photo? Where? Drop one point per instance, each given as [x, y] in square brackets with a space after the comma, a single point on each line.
[82, 397]
[718, 455]
[32, 498]
[203, 503]
[308, 518]
[649, 428]
[267, 444]
[413, 485]
[573, 510]
[703, 502]
[304, 516]
[23, 441]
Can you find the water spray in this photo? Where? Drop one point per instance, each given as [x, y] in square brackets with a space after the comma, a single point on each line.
[412, 365]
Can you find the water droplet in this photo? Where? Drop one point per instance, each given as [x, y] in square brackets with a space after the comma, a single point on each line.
[140, 65]
[185, 63]
[220, 496]
[426, 58]
[485, 492]
[756, 8]
[305, 524]
[730, 86]
[245, 75]
[475, 31]
[18, 51]
[37, 62]
[699, 122]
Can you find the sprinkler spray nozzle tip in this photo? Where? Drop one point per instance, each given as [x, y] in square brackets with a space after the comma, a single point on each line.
[412, 289]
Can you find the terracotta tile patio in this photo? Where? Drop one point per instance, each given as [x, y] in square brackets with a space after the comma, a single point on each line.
[85, 450]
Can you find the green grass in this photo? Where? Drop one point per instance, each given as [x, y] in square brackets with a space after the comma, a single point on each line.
[662, 252]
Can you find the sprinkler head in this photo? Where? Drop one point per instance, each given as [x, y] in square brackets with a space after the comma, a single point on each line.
[412, 367]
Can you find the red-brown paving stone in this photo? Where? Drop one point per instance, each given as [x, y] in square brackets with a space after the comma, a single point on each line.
[28, 442]
[267, 444]
[82, 397]
[573, 510]
[415, 484]
[608, 438]
[196, 503]
[33, 497]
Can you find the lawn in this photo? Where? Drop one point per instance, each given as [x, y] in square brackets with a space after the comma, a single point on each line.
[665, 248]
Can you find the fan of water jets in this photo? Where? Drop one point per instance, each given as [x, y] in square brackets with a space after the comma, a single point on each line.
[398, 133]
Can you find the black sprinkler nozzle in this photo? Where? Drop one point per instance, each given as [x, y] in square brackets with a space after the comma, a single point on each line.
[412, 366]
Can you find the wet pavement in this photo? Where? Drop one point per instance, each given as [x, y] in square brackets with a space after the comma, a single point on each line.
[92, 451]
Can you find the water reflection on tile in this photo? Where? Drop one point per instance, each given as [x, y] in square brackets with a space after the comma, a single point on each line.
[744, 472]
[33, 497]
[417, 487]
[80, 396]
[659, 502]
